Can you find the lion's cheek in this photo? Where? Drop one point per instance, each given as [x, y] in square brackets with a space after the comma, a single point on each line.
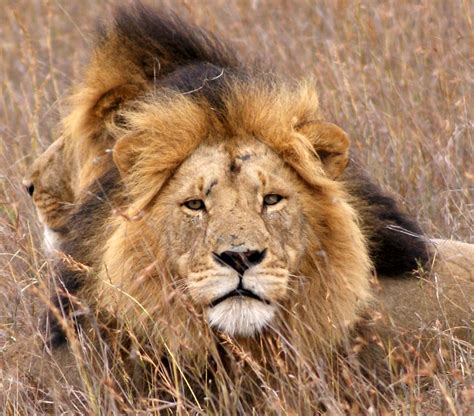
[183, 236]
[288, 239]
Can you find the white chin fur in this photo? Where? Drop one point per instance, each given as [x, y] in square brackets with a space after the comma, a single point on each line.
[50, 240]
[240, 316]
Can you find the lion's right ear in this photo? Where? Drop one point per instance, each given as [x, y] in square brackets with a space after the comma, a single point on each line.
[331, 144]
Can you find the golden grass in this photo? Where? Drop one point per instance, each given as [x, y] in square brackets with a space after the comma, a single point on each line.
[395, 75]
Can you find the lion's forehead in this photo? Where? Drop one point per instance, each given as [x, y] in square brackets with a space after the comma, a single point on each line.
[243, 147]
[249, 163]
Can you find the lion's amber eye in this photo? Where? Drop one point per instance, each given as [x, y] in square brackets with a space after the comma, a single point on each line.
[195, 204]
[272, 199]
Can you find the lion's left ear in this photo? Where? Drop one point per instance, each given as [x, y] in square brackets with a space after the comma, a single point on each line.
[111, 101]
[331, 144]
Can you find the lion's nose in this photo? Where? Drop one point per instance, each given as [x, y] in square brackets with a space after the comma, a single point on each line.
[240, 261]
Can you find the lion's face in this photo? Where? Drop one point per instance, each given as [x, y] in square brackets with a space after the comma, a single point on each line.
[237, 232]
[49, 185]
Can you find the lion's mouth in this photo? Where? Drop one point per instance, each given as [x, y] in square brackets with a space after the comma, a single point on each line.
[239, 292]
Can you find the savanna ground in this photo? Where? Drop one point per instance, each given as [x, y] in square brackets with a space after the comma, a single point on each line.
[397, 76]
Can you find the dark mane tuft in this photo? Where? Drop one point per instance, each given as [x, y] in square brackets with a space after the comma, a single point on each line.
[162, 42]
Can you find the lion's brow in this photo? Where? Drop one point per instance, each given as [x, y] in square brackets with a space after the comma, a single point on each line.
[211, 185]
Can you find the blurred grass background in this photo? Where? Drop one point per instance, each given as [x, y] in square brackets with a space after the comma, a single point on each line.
[396, 75]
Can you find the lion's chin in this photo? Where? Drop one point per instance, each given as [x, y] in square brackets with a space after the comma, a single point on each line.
[241, 316]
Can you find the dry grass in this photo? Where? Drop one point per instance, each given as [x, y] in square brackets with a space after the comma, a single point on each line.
[397, 76]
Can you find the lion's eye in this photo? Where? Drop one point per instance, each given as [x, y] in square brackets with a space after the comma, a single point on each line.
[272, 199]
[195, 204]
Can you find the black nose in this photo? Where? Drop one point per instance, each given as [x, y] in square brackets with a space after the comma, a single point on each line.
[30, 189]
[240, 261]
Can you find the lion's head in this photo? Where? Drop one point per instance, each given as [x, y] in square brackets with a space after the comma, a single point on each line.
[48, 182]
[235, 209]
[234, 232]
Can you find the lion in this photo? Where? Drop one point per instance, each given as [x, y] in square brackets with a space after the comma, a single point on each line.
[220, 211]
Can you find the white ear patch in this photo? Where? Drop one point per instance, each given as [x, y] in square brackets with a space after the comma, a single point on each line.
[240, 316]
